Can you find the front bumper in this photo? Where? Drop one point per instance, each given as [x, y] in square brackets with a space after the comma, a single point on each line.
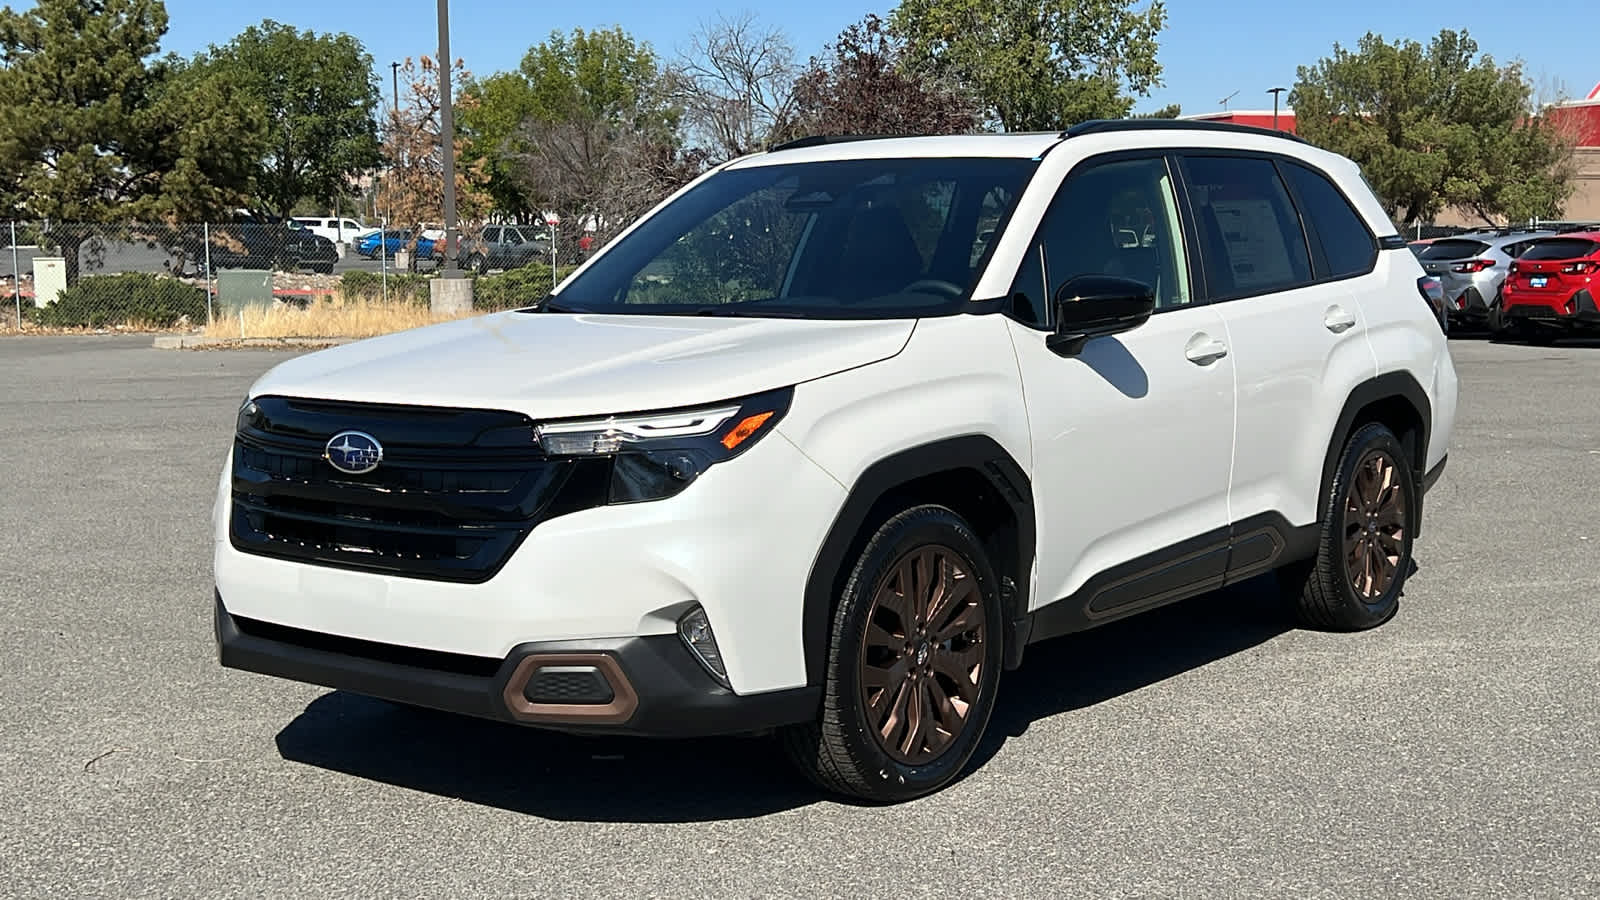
[645, 686]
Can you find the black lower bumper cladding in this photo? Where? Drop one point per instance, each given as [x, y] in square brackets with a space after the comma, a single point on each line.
[645, 686]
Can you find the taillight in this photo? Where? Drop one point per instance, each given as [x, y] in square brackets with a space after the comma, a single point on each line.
[1472, 265]
[1514, 268]
[1432, 291]
[1579, 268]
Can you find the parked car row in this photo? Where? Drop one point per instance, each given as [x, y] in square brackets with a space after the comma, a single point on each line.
[1525, 284]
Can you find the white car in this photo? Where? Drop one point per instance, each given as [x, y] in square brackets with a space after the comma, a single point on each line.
[821, 445]
[340, 231]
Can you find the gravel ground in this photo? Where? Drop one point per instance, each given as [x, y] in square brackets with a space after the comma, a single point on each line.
[1203, 750]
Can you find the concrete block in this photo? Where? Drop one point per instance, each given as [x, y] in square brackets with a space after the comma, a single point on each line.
[450, 295]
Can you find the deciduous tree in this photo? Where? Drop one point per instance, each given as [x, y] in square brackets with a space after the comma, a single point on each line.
[1038, 65]
[735, 86]
[411, 186]
[319, 95]
[1436, 126]
[859, 85]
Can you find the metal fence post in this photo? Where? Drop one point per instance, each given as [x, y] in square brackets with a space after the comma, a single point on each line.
[16, 274]
[383, 255]
[210, 315]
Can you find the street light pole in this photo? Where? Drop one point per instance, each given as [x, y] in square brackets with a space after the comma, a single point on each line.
[1275, 92]
[447, 142]
[394, 70]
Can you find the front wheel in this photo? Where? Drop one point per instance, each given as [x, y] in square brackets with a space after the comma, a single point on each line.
[913, 664]
[1364, 549]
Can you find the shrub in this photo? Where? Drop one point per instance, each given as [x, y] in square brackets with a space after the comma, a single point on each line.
[515, 288]
[403, 287]
[133, 298]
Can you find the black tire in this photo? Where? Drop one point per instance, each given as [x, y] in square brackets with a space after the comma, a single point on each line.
[1324, 591]
[1493, 320]
[840, 751]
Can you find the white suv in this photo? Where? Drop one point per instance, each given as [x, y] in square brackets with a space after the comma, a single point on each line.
[821, 444]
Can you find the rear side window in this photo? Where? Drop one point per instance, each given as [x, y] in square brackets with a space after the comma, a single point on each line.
[1559, 248]
[1335, 228]
[1250, 236]
[1454, 249]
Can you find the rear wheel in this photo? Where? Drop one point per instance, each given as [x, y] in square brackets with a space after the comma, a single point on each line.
[1364, 549]
[913, 663]
[1494, 321]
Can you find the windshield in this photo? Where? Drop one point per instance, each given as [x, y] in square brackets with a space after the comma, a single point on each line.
[865, 238]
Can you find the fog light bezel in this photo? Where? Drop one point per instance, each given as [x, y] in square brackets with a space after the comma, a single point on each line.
[694, 616]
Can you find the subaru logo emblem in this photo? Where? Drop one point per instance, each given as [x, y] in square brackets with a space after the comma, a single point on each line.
[354, 452]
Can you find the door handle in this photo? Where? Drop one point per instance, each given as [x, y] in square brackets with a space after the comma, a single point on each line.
[1203, 349]
[1338, 319]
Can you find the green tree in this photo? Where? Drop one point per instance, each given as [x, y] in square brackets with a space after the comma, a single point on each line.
[1436, 126]
[1170, 111]
[1037, 65]
[489, 115]
[96, 129]
[319, 95]
[600, 144]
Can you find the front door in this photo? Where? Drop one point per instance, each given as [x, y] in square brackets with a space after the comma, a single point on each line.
[1132, 437]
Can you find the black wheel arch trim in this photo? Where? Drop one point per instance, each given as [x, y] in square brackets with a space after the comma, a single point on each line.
[976, 452]
[1387, 386]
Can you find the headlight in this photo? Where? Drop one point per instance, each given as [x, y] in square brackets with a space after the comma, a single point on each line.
[657, 455]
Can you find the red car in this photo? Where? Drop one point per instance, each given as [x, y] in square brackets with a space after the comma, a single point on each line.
[1549, 290]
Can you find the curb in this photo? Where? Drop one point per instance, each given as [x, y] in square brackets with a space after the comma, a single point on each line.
[196, 342]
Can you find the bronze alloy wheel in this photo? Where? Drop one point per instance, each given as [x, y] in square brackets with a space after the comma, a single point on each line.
[923, 654]
[1375, 518]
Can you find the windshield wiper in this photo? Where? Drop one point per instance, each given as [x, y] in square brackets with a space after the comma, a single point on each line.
[743, 311]
[548, 304]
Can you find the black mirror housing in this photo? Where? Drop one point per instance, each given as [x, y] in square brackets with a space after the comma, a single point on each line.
[1091, 306]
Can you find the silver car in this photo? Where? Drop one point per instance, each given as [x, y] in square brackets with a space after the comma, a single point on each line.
[1472, 267]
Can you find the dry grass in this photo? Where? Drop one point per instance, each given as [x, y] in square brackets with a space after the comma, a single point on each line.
[331, 317]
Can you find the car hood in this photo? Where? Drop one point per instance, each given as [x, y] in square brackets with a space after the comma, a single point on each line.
[549, 365]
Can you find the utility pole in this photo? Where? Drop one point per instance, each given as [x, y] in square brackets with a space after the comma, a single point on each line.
[394, 70]
[449, 293]
[447, 142]
[1275, 92]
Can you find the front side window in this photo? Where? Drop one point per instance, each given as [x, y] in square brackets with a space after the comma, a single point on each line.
[866, 238]
[1250, 236]
[1114, 218]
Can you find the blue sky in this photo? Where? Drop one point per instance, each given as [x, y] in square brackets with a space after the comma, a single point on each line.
[1210, 49]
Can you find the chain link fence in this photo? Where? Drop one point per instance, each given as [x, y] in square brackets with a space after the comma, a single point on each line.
[263, 279]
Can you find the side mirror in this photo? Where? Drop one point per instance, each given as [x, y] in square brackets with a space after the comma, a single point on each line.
[1091, 306]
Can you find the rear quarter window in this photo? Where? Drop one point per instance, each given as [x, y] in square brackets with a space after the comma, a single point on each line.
[1336, 229]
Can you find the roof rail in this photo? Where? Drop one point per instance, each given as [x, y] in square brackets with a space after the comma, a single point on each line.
[1101, 126]
[817, 140]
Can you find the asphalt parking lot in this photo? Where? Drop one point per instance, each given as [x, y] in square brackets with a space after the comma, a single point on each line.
[1204, 750]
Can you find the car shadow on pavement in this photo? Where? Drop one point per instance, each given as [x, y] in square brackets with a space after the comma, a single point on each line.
[597, 779]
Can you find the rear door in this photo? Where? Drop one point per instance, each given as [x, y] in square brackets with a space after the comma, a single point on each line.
[1288, 288]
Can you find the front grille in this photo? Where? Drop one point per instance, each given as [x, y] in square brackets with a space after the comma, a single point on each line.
[456, 493]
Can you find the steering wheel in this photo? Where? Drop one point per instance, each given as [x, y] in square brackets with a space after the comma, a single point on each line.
[939, 286]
